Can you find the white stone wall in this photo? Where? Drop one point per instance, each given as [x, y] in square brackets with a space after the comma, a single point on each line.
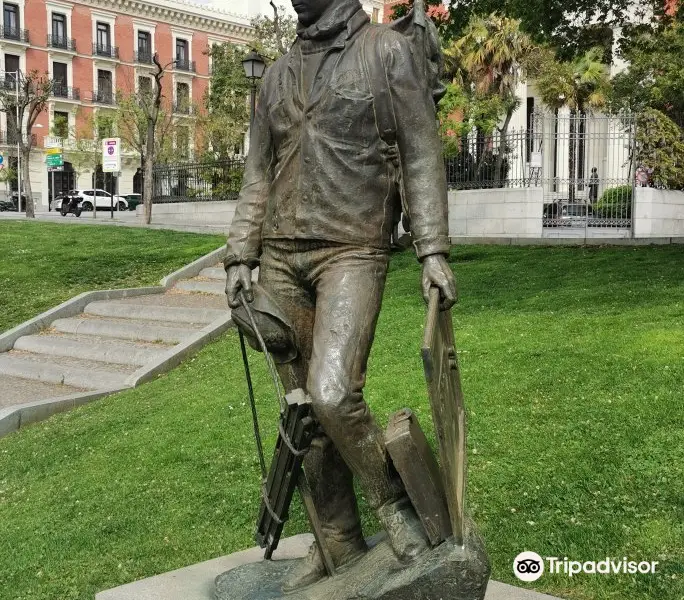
[658, 213]
[212, 214]
[508, 212]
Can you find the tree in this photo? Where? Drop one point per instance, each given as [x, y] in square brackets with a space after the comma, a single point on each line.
[582, 85]
[655, 74]
[274, 36]
[572, 26]
[143, 125]
[491, 56]
[660, 148]
[226, 122]
[136, 111]
[227, 107]
[23, 100]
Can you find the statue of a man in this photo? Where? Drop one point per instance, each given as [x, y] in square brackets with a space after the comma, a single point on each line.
[316, 213]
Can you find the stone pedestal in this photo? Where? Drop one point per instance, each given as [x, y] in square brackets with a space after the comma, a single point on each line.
[446, 572]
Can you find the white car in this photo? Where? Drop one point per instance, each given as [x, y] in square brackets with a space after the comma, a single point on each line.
[100, 198]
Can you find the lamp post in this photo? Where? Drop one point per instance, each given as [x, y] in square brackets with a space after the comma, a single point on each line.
[254, 66]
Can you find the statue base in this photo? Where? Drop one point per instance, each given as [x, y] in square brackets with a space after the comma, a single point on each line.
[445, 572]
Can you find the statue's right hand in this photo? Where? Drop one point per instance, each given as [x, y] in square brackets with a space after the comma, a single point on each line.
[239, 278]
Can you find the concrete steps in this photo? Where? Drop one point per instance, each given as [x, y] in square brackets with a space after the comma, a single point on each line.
[171, 314]
[201, 286]
[99, 348]
[218, 273]
[118, 352]
[146, 331]
[85, 374]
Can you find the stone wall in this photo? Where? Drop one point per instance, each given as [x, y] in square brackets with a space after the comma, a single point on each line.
[508, 212]
[658, 213]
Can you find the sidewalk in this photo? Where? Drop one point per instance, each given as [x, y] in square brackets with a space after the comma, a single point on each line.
[124, 219]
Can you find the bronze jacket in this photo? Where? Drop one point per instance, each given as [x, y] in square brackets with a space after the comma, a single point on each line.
[317, 169]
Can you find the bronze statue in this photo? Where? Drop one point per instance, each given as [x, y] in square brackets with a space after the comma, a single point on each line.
[316, 212]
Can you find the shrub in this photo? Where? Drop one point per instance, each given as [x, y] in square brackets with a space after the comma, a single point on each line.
[615, 203]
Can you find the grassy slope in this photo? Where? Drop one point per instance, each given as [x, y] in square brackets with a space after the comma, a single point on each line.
[43, 264]
[573, 367]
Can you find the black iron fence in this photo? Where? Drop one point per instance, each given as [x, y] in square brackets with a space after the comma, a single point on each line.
[198, 182]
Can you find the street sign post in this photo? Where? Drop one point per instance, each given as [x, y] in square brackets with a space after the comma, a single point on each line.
[111, 163]
[54, 159]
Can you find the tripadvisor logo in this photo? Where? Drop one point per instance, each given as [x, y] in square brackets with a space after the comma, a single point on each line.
[529, 566]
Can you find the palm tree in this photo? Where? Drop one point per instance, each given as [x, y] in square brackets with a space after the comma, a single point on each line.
[582, 85]
[491, 55]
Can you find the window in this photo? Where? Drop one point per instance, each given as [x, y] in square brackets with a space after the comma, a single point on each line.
[59, 30]
[103, 39]
[145, 86]
[61, 124]
[11, 20]
[182, 56]
[144, 47]
[59, 75]
[11, 68]
[104, 87]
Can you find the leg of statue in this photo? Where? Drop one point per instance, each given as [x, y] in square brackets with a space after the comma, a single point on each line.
[330, 479]
[349, 284]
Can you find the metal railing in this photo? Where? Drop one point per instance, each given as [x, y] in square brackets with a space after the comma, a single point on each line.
[143, 57]
[186, 65]
[478, 161]
[9, 138]
[60, 42]
[14, 33]
[583, 163]
[64, 91]
[105, 51]
[103, 96]
[198, 182]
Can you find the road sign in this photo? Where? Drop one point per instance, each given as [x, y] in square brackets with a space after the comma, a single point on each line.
[54, 159]
[111, 155]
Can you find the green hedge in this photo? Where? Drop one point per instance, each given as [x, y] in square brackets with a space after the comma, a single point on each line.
[615, 203]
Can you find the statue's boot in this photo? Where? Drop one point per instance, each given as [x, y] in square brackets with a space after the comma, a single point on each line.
[332, 492]
[312, 569]
[404, 529]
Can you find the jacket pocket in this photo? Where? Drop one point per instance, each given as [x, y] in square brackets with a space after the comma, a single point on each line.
[349, 118]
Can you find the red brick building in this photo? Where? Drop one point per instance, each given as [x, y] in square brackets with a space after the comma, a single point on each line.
[94, 48]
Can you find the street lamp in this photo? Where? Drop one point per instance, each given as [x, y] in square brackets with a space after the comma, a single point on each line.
[254, 66]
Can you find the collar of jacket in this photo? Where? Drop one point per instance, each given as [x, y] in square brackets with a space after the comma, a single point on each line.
[345, 14]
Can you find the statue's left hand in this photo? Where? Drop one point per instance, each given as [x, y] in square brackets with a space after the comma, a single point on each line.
[436, 271]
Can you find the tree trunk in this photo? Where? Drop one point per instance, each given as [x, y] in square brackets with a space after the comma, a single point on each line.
[503, 134]
[26, 176]
[148, 184]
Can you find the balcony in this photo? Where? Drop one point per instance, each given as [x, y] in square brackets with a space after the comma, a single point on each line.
[65, 92]
[182, 107]
[61, 43]
[103, 97]
[9, 138]
[185, 65]
[80, 145]
[106, 51]
[144, 57]
[14, 34]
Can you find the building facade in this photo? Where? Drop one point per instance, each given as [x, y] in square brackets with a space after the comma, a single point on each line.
[94, 48]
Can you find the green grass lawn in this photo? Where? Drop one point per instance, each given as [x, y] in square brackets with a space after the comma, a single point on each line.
[44, 264]
[573, 371]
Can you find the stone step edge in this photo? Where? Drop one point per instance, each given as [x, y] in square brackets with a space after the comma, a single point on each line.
[20, 415]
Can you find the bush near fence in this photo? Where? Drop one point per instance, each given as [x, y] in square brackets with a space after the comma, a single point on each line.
[615, 203]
